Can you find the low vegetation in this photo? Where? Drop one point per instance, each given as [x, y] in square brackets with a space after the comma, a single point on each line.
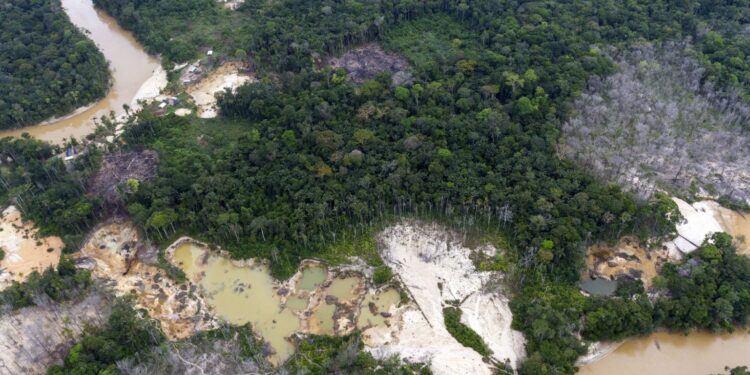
[65, 283]
[126, 333]
[320, 355]
[47, 66]
[462, 333]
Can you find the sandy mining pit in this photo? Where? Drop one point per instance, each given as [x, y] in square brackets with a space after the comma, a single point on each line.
[435, 268]
[116, 255]
[25, 251]
[627, 260]
[703, 218]
[315, 300]
[228, 76]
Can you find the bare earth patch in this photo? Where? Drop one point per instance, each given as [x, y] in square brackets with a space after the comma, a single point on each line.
[119, 167]
[115, 250]
[228, 76]
[368, 61]
[435, 268]
[629, 259]
[24, 252]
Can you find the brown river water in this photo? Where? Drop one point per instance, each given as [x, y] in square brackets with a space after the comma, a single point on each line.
[129, 63]
[665, 353]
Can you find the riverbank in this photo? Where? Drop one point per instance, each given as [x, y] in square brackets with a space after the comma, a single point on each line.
[130, 65]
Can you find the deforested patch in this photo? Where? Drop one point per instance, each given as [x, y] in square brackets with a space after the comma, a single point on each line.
[659, 123]
[369, 60]
[123, 171]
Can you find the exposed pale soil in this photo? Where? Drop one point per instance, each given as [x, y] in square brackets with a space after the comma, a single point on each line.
[435, 268]
[227, 76]
[706, 217]
[151, 88]
[114, 248]
[629, 259]
[24, 252]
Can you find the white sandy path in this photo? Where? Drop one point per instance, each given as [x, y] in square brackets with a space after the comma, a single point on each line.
[490, 316]
[427, 258]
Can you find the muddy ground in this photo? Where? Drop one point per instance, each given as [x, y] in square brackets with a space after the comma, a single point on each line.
[25, 251]
[121, 258]
[369, 60]
[627, 260]
[229, 76]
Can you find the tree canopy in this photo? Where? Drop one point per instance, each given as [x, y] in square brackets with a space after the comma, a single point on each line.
[47, 66]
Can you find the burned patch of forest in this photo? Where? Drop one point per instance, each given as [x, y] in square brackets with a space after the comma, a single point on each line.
[658, 123]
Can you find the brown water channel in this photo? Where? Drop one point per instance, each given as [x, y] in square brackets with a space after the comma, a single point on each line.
[663, 353]
[131, 66]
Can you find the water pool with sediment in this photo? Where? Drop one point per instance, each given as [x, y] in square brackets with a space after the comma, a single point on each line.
[315, 300]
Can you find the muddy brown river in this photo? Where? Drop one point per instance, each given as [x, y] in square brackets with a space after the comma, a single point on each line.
[129, 63]
[664, 353]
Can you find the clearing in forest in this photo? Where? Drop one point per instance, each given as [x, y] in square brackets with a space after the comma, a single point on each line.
[369, 60]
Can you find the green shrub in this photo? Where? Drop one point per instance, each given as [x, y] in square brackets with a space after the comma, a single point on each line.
[462, 333]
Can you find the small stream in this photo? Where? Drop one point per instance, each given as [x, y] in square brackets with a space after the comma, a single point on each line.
[130, 65]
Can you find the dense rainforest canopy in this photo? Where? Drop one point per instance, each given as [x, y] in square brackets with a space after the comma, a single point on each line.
[305, 158]
[47, 66]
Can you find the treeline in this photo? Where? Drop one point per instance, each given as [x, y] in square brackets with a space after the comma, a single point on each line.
[281, 35]
[306, 162]
[131, 342]
[706, 290]
[48, 191]
[47, 66]
[64, 283]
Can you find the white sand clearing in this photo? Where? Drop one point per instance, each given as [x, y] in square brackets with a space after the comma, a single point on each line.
[435, 267]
